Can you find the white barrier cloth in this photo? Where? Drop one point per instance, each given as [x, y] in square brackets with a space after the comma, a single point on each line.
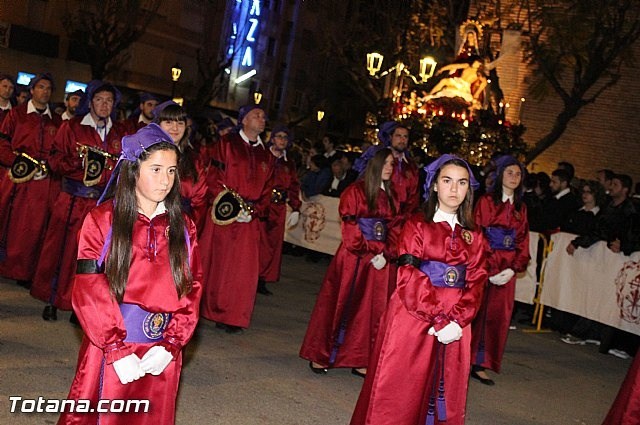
[595, 283]
[526, 282]
[319, 226]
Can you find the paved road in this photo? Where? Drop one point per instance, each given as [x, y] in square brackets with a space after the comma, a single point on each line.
[257, 377]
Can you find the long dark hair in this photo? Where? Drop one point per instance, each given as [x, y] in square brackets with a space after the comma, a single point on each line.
[186, 165]
[125, 213]
[373, 178]
[465, 210]
[496, 193]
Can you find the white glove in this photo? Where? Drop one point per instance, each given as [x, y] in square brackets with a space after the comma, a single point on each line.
[503, 277]
[128, 369]
[451, 332]
[293, 219]
[155, 360]
[244, 217]
[379, 261]
[40, 174]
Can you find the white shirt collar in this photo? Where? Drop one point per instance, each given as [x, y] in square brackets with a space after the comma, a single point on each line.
[66, 115]
[246, 139]
[6, 107]
[31, 109]
[400, 156]
[451, 218]
[160, 209]
[88, 120]
[283, 156]
[506, 198]
[595, 210]
[142, 118]
[562, 193]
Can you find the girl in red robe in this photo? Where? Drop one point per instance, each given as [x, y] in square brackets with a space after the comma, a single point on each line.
[137, 288]
[353, 295]
[626, 407]
[503, 217]
[420, 367]
[193, 178]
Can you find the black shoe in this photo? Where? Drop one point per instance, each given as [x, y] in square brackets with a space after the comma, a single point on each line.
[73, 319]
[24, 283]
[262, 288]
[49, 313]
[485, 381]
[233, 329]
[318, 370]
[356, 372]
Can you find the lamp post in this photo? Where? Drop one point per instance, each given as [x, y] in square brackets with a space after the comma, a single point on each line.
[320, 117]
[175, 75]
[374, 64]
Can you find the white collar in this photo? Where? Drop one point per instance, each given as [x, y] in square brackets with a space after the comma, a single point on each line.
[66, 115]
[88, 120]
[506, 198]
[382, 186]
[6, 107]
[142, 118]
[283, 156]
[246, 139]
[595, 210]
[31, 109]
[400, 156]
[451, 218]
[562, 193]
[160, 209]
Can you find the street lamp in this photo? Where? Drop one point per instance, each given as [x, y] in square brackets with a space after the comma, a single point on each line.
[374, 62]
[257, 97]
[175, 75]
[320, 115]
[427, 67]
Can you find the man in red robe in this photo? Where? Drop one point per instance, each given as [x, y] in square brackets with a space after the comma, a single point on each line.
[84, 175]
[26, 138]
[230, 251]
[144, 114]
[6, 91]
[285, 190]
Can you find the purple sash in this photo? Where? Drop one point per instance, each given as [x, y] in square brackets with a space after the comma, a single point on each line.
[501, 238]
[77, 188]
[143, 326]
[373, 229]
[443, 275]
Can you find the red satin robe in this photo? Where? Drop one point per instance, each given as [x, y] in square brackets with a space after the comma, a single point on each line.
[626, 407]
[405, 185]
[194, 193]
[491, 327]
[285, 177]
[56, 267]
[400, 376]
[354, 294]
[151, 286]
[25, 207]
[230, 253]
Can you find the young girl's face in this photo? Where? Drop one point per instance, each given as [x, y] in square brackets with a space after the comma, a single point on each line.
[452, 187]
[387, 168]
[157, 174]
[511, 177]
[173, 128]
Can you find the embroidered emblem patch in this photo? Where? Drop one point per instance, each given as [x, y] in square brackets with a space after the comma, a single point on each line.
[467, 236]
[451, 276]
[154, 324]
[378, 231]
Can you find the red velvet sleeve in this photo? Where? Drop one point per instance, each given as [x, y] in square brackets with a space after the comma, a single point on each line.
[65, 159]
[484, 212]
[184, 321]
[199, 201]
[7, 130]
[522, 241]
[293, 191]
[216, 172]
[262, 206]
[93, 303]
[351, 202]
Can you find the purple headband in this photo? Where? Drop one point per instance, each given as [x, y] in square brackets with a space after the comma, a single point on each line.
[282, 129]
[360, 164]
[386, 131]
[243, 111]
[134, 145]
[432, 169]
[506, 161]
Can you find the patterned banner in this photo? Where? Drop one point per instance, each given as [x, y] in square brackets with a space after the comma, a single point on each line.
[595, 283]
